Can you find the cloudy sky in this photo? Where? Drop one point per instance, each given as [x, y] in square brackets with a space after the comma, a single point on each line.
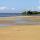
[19, 5]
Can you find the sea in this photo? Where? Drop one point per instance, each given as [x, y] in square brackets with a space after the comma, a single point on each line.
[9, 14]
[13, 14]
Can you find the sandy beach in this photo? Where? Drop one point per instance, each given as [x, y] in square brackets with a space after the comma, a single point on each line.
[24, 32]
[19, 32]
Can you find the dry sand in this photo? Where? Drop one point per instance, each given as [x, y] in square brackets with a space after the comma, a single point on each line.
[23, 32]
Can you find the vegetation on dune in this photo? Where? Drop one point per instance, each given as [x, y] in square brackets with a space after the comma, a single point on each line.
[30, 13]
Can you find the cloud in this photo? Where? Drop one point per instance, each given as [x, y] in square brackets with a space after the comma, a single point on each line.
[39, 7]
[35, 8]
[4, 8]
[13, 8]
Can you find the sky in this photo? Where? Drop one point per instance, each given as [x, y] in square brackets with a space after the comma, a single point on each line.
[8, 6]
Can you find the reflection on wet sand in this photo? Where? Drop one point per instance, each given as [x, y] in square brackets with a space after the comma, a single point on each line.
[28, 20]
[7, 21]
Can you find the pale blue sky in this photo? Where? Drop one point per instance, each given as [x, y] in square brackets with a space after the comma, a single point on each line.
[18, 5]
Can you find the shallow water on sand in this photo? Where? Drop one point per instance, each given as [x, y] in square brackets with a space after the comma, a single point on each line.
[26, 21]
[7, 24]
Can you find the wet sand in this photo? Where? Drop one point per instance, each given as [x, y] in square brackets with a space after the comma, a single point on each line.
[7, 21]
[28, 20]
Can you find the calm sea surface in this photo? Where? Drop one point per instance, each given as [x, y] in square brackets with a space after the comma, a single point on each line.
[9, 14]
